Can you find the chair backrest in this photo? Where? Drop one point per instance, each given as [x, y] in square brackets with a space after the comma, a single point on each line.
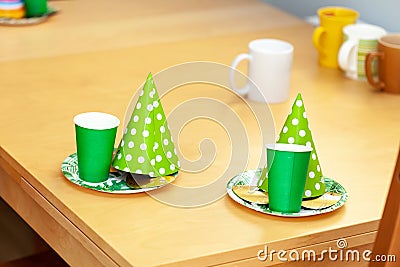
[387, 241]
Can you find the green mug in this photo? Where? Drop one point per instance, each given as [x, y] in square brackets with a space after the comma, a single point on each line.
[95, 138]
[35, 8]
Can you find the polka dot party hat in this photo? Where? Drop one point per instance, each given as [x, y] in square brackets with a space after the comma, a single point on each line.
[296, 131]
[146, 146]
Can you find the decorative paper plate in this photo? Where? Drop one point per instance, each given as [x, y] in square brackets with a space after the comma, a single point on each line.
[335, 196]
[27, 21]
[116, 183]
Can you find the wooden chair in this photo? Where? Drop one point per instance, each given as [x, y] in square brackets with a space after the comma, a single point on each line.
[387, 241]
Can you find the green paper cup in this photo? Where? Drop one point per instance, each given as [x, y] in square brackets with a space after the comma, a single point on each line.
[287, 172]
[95, 137]
[35, 8]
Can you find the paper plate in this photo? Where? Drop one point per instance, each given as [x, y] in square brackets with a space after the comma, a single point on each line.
[116, 182]
[246, 178]
[27, 21]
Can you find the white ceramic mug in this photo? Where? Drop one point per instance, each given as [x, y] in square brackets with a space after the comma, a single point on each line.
[270, 63]
[360, 39]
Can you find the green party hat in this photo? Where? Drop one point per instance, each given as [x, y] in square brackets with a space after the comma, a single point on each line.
[146, 146]
[296, 131]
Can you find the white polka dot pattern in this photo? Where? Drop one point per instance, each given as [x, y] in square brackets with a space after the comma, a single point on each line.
[296, 131]
[149, 148]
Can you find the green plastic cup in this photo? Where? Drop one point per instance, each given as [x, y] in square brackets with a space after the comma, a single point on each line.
[287, 172]
[95, 137]
[35, 8]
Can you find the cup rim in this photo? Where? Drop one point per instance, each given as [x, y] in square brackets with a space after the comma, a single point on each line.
[379, 31]
[96, 120]
[386, 43]
[289, 147]
[284, 46]
[322, 9]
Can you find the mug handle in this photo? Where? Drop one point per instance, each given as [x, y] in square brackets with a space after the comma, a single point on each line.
[317, 37]
[244, 90]
[368, 69]
[346, 52]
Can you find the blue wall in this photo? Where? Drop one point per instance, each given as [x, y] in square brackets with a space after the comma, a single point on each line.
[385, 13]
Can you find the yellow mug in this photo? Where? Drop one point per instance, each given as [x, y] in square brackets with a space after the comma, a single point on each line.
[328, 37]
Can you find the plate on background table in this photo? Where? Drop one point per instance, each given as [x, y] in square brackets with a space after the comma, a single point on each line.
[117, 182]
[28, 21]
[334, 191]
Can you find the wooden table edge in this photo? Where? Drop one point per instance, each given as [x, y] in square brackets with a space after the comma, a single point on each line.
[48, 204]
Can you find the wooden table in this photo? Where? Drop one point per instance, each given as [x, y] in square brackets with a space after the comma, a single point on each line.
[94, 55]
